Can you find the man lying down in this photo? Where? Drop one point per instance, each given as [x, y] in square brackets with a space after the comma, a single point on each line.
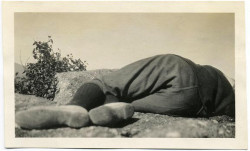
[162, 84]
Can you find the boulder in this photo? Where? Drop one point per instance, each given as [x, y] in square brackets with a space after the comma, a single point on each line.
[69, 82]
[24, 102]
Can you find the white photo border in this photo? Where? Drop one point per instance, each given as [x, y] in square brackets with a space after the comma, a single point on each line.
[236, 7]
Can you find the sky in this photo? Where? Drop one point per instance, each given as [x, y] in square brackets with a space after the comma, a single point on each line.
[113, 40]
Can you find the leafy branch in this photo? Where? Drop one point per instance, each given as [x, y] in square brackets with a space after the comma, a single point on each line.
[40, 77]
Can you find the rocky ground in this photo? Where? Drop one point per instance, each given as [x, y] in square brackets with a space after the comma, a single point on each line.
[140, 125]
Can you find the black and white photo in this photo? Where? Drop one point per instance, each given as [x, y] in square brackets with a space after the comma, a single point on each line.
[129, 74]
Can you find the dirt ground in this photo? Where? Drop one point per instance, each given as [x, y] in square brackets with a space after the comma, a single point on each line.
[140, 125]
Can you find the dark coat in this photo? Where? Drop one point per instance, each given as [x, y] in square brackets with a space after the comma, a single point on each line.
[171, 77]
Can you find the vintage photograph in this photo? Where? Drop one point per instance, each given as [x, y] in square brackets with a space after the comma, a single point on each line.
[125, 75]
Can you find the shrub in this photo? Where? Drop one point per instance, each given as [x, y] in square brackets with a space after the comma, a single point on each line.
[40, 77]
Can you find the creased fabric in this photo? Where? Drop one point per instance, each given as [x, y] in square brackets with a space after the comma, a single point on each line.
[170, 84]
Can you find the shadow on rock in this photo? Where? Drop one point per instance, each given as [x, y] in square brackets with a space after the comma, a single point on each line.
[124, 123]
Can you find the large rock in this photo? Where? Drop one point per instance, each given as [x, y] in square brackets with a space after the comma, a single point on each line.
[69, 82]
[24, 102]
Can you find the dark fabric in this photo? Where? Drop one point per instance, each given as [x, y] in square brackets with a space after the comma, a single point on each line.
[89, 96]
[147, 76]
[170, 84]
[216, 92]
[163, 84]
[181, 102]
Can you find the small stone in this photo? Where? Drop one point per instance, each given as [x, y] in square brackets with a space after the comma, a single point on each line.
[221, 131]
[231, 124]
[214, 121]
[125, 133]
[134, 131]
[202, 123]
[231, 119]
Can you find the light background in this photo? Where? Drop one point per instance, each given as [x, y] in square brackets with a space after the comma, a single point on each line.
[112, 40]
